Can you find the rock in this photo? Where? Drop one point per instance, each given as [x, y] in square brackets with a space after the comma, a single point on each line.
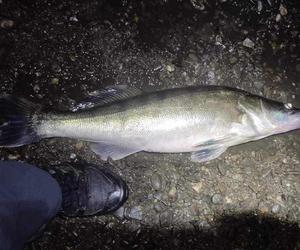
[79, 145]
[159, 207]
[248, 43]
[6, 24]
[283, 11]
[170, 68]
[275, 209]
[135, 213]
[172, 194]
[278, 18]
[259, 6]
[36, 88]
[166, 218]
[217, 199]
[72, 156]
[120, 213]
[197, 187]
[156, 181]
[233, 60]
[55, 81]
[298, 67]
[73, 19]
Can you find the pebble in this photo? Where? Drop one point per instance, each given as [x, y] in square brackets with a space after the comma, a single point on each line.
[13, 157]
[195, 210]
[197, 187]
[156, 181]
[6, 24]
[278, 18]
[73, 19]
[170, 68]
[159, 207]
[275, 209]
[259, 6]
[217, 199]
[283, 11]
[72, 156]
[79, 145]
[120, 213]
[55, 81]
[166, 218]
[36, 88]
[135, 213]
[248, 43]
[233, 60]
[298, 67]
[172, 194]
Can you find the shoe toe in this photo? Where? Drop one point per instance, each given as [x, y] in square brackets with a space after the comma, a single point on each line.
[107, 191]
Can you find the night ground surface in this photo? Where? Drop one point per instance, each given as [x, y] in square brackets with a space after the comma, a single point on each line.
[55, 52]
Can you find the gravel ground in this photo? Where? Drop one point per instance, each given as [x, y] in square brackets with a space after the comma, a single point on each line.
[55, 52]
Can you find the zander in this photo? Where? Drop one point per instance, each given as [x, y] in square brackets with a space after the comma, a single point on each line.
[120, 121]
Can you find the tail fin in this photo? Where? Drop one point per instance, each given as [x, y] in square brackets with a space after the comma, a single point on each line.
[18, 122]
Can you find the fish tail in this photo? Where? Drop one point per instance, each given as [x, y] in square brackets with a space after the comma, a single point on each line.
[18, 122]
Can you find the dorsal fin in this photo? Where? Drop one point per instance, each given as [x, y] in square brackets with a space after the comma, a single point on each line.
[107, 95]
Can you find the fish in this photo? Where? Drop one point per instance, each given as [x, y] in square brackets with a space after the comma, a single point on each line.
[118, 121]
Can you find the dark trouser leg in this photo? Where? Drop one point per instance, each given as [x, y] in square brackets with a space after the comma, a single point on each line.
[29, 198]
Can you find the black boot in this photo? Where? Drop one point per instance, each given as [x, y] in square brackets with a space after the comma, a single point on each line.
[88, 189]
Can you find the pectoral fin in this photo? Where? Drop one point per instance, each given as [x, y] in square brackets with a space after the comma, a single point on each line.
[207, 154]
[112, 151]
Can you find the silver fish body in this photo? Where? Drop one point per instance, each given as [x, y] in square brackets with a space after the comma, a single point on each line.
[203, 120]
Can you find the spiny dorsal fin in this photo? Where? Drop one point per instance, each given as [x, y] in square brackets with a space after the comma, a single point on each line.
[107, 95]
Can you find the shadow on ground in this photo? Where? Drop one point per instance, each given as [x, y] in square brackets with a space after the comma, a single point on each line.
[243, 231]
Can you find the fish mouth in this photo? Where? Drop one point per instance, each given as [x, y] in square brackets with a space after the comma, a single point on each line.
[293, 122]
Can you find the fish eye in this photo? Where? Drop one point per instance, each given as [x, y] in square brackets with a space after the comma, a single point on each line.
[288, 105]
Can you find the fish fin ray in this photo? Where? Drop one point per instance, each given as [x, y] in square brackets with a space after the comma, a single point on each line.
[208, 154]
[115, 152]
[107, 95]
[17, 123]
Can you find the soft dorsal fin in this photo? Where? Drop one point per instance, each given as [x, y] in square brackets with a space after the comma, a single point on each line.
[107, 95]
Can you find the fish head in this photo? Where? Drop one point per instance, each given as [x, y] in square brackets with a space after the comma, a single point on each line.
[265, 117]
[281, 117]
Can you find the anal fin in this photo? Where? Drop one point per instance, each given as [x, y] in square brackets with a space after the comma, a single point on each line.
[207, 154]
[115, 152]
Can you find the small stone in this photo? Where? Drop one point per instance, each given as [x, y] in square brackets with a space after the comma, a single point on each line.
[55, 81]
[283, 11]
[275, 209]
[120, 213]
[170, 68]
[73, 19]
[259, 6]
[298, 67]
[172, 194]
[248, 43]
[79, 145]
[263, 209]
[197, 187]
[195, 210]
[159, 207]
[217, 199]
[72, 156]
[13, 157]
[6, 24]
[233, 60]
[166, 218]
[36, 88]
[135, 213]
[278, 18]
[156, 181]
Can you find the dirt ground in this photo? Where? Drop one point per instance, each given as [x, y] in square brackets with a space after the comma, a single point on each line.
[55, 52]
